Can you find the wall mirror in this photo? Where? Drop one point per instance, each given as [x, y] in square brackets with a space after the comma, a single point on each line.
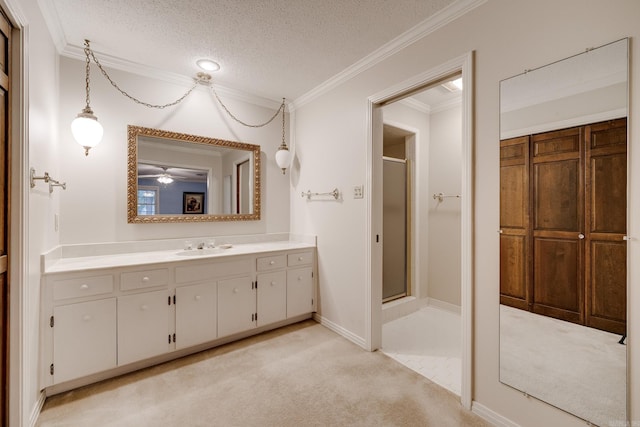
[176, 177]
[563, 219]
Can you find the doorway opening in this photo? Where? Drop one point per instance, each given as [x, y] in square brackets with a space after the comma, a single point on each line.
[443, 282]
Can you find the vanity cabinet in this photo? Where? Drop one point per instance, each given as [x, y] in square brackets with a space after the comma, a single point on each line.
[236, 305]
[84, 338]
[272, 297]
[102, 322]
[143, 320]
[299, 291]
[196, 314]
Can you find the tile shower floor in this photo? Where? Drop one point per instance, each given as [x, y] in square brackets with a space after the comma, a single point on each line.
[427, 341]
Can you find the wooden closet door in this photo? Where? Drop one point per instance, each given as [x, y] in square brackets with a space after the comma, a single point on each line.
[514, 223]
[606, 249]
[558, 224]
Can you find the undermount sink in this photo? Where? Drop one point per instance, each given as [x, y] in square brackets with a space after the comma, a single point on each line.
[200, 252]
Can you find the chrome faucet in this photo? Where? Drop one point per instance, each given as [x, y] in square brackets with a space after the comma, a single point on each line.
[201, 245]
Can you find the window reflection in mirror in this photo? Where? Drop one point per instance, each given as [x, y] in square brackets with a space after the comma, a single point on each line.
[164, 168]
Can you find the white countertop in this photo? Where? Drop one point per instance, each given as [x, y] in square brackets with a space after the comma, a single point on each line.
[85, 263]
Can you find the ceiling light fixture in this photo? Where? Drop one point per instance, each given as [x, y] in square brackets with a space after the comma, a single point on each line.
[207, 64]
[165, 179]
[453, 85]
[85, 127]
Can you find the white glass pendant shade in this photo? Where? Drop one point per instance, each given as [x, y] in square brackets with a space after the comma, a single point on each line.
[86, 130]
[283, 157]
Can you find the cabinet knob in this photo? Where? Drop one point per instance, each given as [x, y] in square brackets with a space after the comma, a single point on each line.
[86, 317]
[299, 278]
[580, 236]
[145, 279]
[198, 298]
[299, 258]
[235, 290]
[144, 307]
[84, 287]
[273, 283]
[272, 263]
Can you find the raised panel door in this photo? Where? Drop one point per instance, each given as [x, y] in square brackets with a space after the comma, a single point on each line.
[514, 223]
[606, 251]
[558, 224]
[236, 305]
[143, 326]
[196, 314]
[272, 297]
[84, 339]
[299, 291]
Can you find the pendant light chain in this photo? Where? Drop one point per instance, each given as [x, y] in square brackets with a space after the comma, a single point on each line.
[137, 101]
[283, 146]
[199, 80]
[247, 124]
[88, 72]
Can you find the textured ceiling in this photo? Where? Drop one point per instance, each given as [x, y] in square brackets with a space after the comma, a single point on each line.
[269, 48]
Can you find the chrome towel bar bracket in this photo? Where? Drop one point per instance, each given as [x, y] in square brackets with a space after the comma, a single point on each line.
[335, 194]
[46, 178]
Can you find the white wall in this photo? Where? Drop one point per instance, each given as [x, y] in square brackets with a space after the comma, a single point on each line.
[93, 208]
[507, 37]
[445, 176]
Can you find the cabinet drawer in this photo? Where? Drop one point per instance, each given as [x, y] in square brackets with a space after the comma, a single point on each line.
[211, 271]
[300, 258]
[271, 262]
[82, 287]
[144, 279]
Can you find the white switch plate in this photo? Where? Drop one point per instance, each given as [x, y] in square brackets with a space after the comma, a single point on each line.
[358, 192]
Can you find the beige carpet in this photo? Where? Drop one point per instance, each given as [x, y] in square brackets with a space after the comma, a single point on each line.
[300, 375]
[578, 369]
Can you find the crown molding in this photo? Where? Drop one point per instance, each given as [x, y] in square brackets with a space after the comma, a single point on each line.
[416, 105]
[446, 105]
[431, 24]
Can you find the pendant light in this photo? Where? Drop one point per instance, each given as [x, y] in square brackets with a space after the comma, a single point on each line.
[85, 127]
[283, 156]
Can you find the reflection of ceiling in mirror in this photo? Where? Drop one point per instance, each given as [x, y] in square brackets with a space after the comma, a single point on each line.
[585, 88]
[183, 174]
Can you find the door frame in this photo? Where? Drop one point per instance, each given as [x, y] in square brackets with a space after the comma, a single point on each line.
[373, 297]
[19, 311]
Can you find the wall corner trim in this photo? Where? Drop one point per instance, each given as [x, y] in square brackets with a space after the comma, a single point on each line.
[359, 341]
[491, 416]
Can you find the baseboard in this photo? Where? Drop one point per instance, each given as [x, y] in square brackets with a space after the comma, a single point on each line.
[491, 416]
[444, 306]
[340, 330]
[37, 408]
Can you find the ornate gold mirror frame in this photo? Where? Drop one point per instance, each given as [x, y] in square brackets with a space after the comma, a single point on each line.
[162, 136]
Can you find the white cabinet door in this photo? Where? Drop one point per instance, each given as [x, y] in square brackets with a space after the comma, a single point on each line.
[236, 306]
[84, 339]
[196, 317]
[299, 291]
[143, 326]
[272, 297]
